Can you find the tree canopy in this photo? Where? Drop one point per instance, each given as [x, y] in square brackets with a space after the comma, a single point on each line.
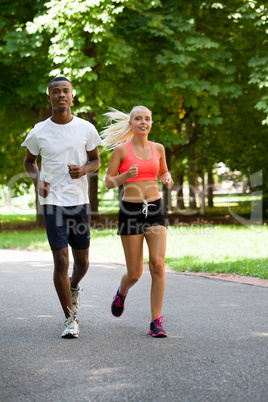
[201, 66]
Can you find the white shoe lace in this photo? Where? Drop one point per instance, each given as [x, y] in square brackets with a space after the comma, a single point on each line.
[71, 318]
[145, 207]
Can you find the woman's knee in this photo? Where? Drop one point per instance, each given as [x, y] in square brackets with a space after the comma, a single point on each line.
[157, 268]
[134, 277]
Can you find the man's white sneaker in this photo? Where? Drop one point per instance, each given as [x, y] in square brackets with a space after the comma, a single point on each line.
[71, 327]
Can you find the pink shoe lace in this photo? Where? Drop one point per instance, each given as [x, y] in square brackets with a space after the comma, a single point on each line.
[119, 301]
[159, 321]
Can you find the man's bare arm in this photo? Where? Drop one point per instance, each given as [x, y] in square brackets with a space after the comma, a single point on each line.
[32, 171]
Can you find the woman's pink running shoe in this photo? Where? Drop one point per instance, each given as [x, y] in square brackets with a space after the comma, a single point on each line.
[118, 306]
[156, 328]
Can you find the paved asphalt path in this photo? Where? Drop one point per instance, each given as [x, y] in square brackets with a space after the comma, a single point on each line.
[217, 349]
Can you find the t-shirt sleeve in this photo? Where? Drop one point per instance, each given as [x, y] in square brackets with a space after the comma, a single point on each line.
[31, 143]
[93, 138]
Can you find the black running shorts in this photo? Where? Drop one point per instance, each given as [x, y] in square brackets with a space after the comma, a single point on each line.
[67, 225]
[135, 218]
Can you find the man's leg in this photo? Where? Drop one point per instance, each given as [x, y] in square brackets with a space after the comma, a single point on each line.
[61, 278]
[80, 267]
[79, 240]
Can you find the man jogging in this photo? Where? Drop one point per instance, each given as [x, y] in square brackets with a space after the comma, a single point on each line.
[68, 146]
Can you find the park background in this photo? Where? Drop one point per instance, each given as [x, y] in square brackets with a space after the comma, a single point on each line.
[200, 66]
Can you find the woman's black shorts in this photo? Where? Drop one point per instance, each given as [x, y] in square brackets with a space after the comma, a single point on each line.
[135, 218]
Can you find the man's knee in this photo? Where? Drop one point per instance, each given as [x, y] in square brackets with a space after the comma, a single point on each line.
[61, 260]
[81, 259]
[82, 265]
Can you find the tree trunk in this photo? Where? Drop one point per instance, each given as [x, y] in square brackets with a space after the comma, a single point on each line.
[210, 188]
[93, 193]
[180, 202]
[42, 114]
[202, 193]
[192, 185]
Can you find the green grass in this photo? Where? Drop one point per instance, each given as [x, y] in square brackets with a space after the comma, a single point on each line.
[215, 249]
[241, 208]
[18, 219]
[219, 249]
[29, 240]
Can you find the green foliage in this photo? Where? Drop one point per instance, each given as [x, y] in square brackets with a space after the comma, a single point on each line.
[201, 66]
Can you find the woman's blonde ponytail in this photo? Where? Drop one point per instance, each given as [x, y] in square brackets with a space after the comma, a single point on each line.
[118, 129]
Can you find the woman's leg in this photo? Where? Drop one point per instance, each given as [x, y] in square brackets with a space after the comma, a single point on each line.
[133, 249]
[156, 239]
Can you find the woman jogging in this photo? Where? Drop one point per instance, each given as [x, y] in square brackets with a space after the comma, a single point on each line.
[142, 213]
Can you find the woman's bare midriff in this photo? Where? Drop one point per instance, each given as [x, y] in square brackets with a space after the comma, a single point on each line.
[137, 191]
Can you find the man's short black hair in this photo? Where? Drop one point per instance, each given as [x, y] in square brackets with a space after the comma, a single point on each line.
[58, 79]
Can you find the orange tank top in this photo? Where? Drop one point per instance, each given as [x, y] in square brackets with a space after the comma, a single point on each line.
[147, 169]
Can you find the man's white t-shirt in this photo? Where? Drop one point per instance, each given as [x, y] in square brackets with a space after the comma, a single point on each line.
[60, 145]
